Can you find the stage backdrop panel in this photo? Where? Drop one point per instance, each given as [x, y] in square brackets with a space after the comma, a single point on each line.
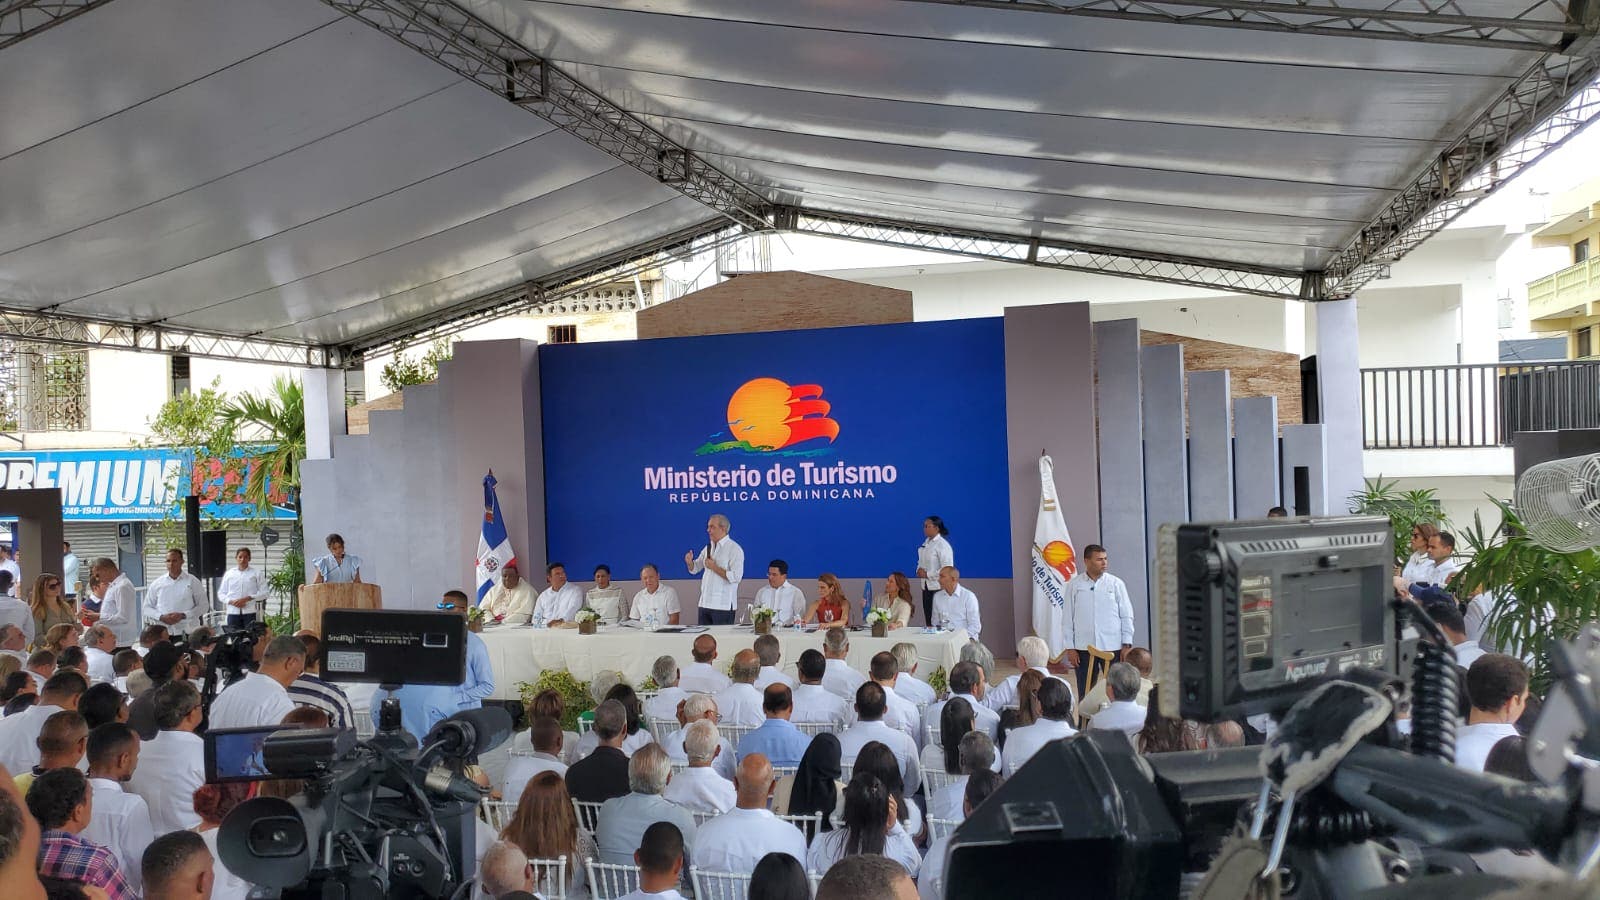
[824, 447]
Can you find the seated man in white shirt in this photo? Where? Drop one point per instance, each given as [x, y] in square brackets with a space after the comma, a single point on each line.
[660, 860]
[604, 598]
[907, 684]
[778, 594]
[700, 707]
[930, 880]
[976, 754]
[656, 604]
[546, 737]
[172, 764]
[504, 869]
[14, 643]
[1439, 569]
[560, 601]
[98, 642]
[151, 635]
[262, 697]
[120, 821]
[1124, 713]
[1498, 686]
[701, 676]
[954, 606]
[1055, 709]
[813, 702]
[1095, 699]
[624, 820]
[871, 705]
[966, 680]
[664, 705]
[902, 713]
[19, 732]
[699, 788]
[770, 652]
[736, 840]
[740, 702]
[1449, 619]
[840, 679]
[1032, 653]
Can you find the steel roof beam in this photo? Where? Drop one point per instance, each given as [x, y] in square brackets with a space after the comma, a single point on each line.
[79, 331]
[22, 19]
[1411, 21]
[477, 51]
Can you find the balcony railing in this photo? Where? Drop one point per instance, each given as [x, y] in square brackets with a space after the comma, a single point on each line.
[1423, 407]
[1554, 296]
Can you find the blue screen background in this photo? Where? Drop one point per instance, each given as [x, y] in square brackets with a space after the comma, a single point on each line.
[927, 398]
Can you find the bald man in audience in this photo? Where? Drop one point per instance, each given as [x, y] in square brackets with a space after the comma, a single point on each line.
[736, 840]
[62, 743]
[701, 676]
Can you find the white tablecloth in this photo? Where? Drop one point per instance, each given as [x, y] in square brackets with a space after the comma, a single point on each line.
[519, 652]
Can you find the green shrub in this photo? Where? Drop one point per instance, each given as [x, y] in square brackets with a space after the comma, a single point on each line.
[939, 681]
[574, 693]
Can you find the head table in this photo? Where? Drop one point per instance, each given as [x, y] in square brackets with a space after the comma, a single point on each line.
[520, 652]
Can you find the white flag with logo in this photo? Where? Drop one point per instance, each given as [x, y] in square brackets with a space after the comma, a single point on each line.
[1054, 563]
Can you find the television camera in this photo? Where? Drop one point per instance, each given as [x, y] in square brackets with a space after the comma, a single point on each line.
[382, 818]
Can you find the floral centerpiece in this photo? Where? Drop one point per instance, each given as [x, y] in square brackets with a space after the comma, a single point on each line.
[475, 618]
[761, 617]
[878, 617]
[588, 618]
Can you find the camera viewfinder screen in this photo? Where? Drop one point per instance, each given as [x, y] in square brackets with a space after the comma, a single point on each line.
[237, 754]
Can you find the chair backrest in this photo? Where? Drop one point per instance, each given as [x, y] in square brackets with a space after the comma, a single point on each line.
[585, 726]
[783, 771]
[496, 813]
[663, 727]
[933, 734]
[588, 814]
[1098, 662]
[732, 733]
[809, 824]
[647, 696]
[550, 878]
[938, 828]
[609, 881]
[937, 780]
[701, 817]
[846, 771]
[719, 885]
[816, 728]
[679, 768]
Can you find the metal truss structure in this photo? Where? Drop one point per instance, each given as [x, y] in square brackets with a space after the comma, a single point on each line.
[22, 19]
[72, 331]
[1544, 25]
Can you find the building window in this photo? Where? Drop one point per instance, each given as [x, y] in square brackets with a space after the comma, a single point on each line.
[43, 388]
[563, 334]
[1585, 348]
[180, 374]
[1580, 251]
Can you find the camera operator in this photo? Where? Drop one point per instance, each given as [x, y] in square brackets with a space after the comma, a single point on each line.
[262, 697]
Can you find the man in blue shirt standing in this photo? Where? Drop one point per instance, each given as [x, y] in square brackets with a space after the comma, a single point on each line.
[776, 738]
[478, 685]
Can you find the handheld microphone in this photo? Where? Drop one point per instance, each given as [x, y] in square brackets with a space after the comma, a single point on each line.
[471, 732]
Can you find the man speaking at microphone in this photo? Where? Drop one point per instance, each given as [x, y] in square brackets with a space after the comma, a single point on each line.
[720, 565]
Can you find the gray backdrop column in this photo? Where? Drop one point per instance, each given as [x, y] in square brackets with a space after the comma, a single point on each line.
[1166, 463]
[1210, 446]
[1050, 407]
[1255, 456]
[1306, 445]
[1339, 392]
[1122, 526]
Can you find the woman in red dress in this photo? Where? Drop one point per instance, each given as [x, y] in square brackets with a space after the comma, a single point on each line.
[831, 609]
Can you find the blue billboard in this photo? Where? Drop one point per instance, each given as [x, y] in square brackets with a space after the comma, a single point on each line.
[826, 448]
[131, 485]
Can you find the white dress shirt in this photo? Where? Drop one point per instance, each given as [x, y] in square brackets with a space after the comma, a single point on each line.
[934, 554]
[521, 769]
[960, 610]
[661, 604]
[1467, 653]
[183, 594]
[590, 741]
[563, 604]
[982, 716]
[11, 566]
[828, 849]
[724, 765]
[170, 768]
[999, 696]
[252, 701]
[736, 840]
[1102, 614]
[930, 881]
[771, 675]
[717, 591]
[1439, 572]
[642, 894]
[664, 705]
[841, 680]
[1473, 742]
[814, 703]
[239, 584]
[740, 704]
[120, 823]
[70, 566]
[1022, 743]
[224, 884]
[1417, 566]
[1126, 716]
[899, 743]
[785, 598]
[100, 668]
[701, 789]
[19, 736]
[1095, 700]
[511, 605]
[914, 689]
[17, 612]
[702, 678]
[119, 611]
[902, 714]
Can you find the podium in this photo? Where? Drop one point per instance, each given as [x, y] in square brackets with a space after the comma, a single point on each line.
[314, 598]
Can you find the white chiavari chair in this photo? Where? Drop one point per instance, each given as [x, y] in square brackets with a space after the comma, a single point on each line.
[608, 881]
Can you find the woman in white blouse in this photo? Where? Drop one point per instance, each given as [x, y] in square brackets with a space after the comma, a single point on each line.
[871, 825]
[1418, 565]
[934, 554]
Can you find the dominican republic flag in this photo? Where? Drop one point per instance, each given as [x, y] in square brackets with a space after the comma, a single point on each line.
[1054, 563]
[494, 548]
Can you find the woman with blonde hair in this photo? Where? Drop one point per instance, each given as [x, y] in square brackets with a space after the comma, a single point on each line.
[50, 606]
[545, 826]
[896, 598]
[831, 609]
[1027, 711]
[60, 637]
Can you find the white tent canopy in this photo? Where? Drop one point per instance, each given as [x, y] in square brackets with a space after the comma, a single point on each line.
[275, 178]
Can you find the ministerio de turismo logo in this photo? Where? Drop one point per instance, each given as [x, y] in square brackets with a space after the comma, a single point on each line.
[768, 417]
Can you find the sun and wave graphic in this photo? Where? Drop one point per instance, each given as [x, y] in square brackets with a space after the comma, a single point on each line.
[768, 415]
